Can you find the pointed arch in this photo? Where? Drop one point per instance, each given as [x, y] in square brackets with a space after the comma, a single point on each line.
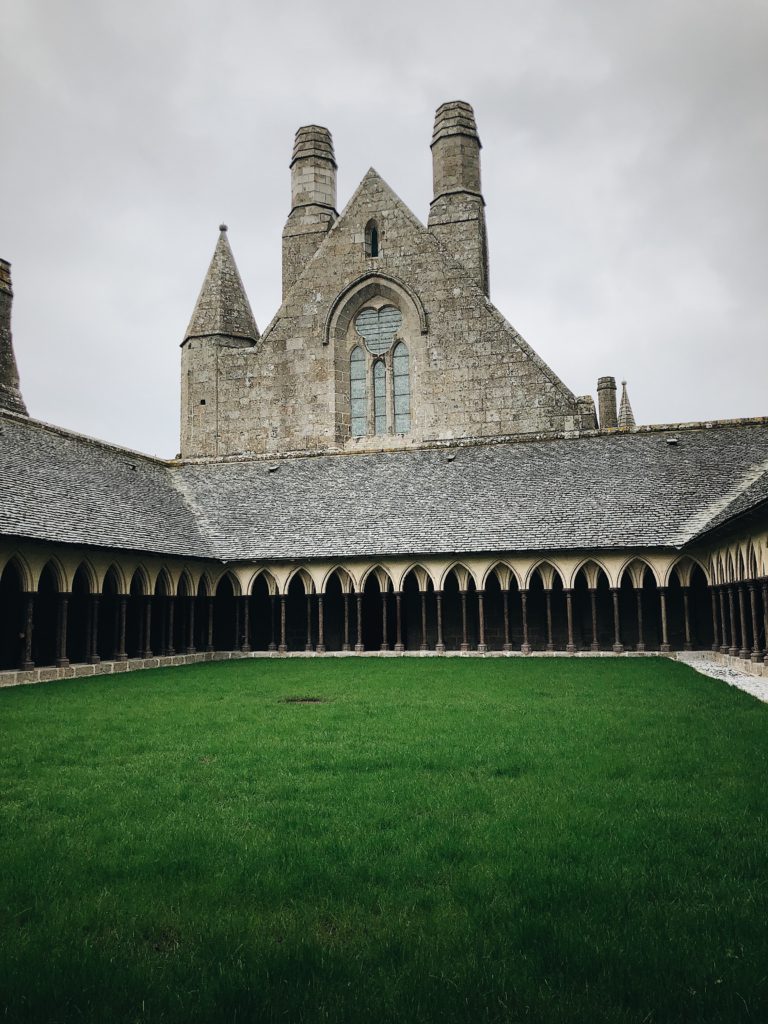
[269, 580]
[88, 574]
[114, 574]
[303, 574]
[421, 574]
[592, 570]
[184, 586]
[636, 566]
[344, 577]
[372, 239]
[140, 582]
[383, 577]
[204, 585]
[505, 573]
[163, 585]
[234, 582]
[547, 572]
[55, 568]
[365, 287]
[462, 573]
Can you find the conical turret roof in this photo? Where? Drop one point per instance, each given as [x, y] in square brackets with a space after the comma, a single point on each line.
[222, 306]
[10, 395]
[626, 416]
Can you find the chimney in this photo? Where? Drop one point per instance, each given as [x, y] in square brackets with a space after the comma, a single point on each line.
[313, 200]
[606, 401]
[10, 395]
[457, 211]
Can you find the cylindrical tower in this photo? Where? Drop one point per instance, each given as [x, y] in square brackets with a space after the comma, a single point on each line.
[457, 211]
[313, 200]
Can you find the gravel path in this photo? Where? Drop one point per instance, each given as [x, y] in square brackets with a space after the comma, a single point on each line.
[756, 685]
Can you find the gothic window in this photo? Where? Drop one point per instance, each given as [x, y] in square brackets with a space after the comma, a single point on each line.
[401, 375]
[371, 238]
[380, 397]
[358, 396]
[381, 369]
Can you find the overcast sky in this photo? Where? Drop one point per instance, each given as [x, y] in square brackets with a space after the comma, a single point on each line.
[625, 162]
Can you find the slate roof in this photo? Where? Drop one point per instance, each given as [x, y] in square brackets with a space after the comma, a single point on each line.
[619, 490]
[59, 486]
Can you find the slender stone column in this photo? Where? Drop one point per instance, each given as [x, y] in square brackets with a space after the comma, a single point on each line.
[733, 649]
[464, 633]
[92, 656]
[640, 631]
[506, 646]
[170, 649]
[122, 609]
[399, 647]
[618, 646]
[147, 634]
[571, 647]
[236, 641]
[482, 646]
[687, 645]
[209, 625]
[724, 621]
[308, 645]
[320, 626]
[61, 631]
[665, 648]
[272, 646]
[359, 644]
[755, 628]
[548, 599]
[423, 644]
[190, 647]
[715, 621]
[525, 647]
[29, 612]
[440, 645]
[346, 646]
[162, 647]
[744, 651]
[246, 648]
[595, 645]
[384, 639]
[283, 647]
[88, 626]
[764, 588]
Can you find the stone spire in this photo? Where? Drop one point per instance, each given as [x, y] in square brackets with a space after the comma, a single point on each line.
[626, 416]
[10, 395]
[222, 307]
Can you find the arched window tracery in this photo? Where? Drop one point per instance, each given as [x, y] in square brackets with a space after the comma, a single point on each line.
[372, 239]
[379, 368]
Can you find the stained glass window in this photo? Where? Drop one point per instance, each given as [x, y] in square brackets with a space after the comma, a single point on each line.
[358, 397]
[402, 388]
[380, 397]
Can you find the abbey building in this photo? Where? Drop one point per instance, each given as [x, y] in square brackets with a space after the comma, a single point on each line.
[388, 466]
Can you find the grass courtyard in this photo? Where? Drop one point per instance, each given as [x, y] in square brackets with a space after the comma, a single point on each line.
[430, 840]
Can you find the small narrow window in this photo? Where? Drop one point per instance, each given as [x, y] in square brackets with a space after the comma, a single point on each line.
[371, 238]
[380, 397]
[401, 373]
[357, 393]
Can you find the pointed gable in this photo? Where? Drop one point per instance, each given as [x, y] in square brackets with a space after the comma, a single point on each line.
[222, 307]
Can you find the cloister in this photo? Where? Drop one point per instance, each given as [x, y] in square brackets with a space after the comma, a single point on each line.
[63, 606]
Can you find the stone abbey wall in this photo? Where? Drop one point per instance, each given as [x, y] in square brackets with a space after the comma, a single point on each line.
[471, 374]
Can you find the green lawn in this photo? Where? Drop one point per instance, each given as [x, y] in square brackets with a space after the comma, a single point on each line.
[435, 840]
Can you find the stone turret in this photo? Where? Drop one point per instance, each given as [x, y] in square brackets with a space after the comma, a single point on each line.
[10, 395]
[313, 200]
[626, 416]
[457, 211]
[222, 319]
[606, 402]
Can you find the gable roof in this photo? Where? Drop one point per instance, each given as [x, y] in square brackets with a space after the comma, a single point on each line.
[621, 490]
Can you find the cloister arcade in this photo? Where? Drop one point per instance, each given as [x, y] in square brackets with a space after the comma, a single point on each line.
[61, 607]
